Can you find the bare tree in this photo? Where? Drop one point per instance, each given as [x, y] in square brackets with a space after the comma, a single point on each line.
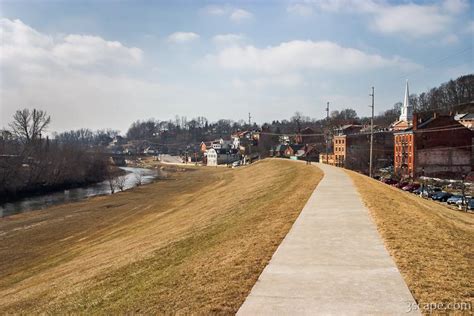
[28, 126]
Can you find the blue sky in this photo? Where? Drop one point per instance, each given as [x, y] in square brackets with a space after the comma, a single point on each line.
[104, 64]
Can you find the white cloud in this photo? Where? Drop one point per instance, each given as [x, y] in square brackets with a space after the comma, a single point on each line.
[300, 9]
[183, 37]
[70, 76]
[455, 6]
[260, 82]
[411, 20]
[292, 56]
[229, 39]
[239, 15]
[27, 48]
[234, 14]
[408, 20]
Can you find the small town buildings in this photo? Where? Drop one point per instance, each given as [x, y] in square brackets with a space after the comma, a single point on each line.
[329, 159]
[438, 147]
[353, 150]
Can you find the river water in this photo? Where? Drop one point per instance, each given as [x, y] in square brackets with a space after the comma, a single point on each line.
[102, 188]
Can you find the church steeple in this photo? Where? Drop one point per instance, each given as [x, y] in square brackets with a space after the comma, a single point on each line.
[407, 109]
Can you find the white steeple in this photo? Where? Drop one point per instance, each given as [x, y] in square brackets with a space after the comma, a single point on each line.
[407, 109]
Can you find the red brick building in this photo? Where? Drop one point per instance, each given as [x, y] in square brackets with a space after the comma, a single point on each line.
[353, 150]
[438, 147]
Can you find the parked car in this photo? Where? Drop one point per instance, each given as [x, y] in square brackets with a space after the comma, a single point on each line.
[428, 192]
[453, 199]
[401, 184]
[470, 205]
[389, 181]
[411, 187]
[441, 196]
[467, 199]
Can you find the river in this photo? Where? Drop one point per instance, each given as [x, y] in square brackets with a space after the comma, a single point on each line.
[102, 188]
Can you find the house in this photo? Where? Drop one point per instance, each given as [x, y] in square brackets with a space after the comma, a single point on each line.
[279, 150]
[211, 157]
[438, 147]
[308, 135]
[292, 149]
[204, 146]
[327, 159]
[349, 129]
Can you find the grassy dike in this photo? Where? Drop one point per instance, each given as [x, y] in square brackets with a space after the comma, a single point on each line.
[431, 244]
[194, 243]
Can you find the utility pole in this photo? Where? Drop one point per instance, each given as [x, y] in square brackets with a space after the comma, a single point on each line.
[371, 134]
[327, 134]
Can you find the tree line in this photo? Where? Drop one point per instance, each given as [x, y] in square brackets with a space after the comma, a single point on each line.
[31, 162]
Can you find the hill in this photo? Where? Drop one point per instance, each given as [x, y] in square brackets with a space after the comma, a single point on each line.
[197, 242]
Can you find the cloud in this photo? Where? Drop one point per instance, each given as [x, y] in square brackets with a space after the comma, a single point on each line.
[234, 14]
[408, 20]
[83, 77]
[455, 6]
[411, 20]
[260, 82]
[183, 37]
[26, 48]
[292, 56]
[300, 9]
[229, 39]
[239, 15]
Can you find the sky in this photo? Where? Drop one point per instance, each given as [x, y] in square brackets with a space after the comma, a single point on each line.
[105, 64]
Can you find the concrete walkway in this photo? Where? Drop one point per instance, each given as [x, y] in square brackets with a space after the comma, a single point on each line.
[332, 262]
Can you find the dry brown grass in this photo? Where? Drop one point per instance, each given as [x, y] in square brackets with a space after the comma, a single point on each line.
[194, 243]
[431, 244]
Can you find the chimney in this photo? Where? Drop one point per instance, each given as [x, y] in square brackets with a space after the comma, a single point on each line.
[415, 121]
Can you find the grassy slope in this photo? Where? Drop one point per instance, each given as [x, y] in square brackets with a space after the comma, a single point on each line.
[431, 244]
[197, 243]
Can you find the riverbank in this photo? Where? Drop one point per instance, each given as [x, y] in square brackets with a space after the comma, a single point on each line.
[196, 242]
[39, 190]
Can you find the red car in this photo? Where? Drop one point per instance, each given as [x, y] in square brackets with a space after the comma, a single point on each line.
[411, 187]
[401, 184]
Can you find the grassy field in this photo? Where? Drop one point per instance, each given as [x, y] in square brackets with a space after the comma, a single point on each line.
[195, 242]
[433, 246]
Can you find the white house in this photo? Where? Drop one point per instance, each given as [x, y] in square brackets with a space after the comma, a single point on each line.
[211, 155]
